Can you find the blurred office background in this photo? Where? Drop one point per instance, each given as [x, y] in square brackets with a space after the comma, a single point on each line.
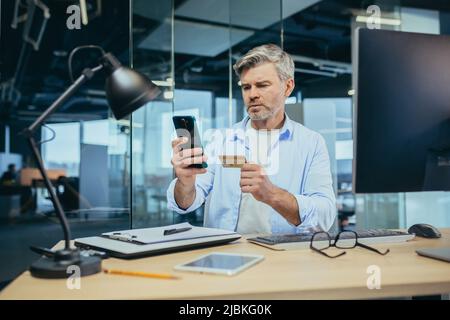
[113, 175]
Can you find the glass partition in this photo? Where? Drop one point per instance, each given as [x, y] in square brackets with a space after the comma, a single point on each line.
[250, 30]
[189, 47]
[85, 150]
[152, 51]
[195, 42]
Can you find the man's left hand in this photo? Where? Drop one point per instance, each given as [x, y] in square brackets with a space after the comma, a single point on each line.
[255, 181]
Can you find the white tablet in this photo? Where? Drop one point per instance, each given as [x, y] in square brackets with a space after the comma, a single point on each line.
[221, 263]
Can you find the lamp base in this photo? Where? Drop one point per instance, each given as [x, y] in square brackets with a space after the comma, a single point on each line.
[57, 267]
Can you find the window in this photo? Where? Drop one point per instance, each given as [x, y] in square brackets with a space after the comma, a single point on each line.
[63, 152]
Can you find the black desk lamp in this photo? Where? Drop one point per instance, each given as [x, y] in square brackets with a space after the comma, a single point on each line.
[126, 91]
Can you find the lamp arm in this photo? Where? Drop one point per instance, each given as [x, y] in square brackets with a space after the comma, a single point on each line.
[58, 208]
[86, 75]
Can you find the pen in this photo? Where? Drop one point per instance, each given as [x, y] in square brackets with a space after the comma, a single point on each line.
[123, 237]
[141, 274]
[173, 231]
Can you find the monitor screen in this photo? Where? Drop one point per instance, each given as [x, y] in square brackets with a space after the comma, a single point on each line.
[402, 112]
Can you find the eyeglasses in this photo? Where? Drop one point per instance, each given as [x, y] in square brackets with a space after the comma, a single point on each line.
[343, 240]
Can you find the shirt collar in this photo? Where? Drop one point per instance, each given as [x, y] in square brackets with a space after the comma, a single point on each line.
[285, 132]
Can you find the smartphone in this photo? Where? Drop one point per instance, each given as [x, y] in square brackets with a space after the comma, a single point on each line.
[186, 126]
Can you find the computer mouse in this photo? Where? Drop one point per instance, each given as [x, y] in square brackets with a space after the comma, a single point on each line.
[424, 230]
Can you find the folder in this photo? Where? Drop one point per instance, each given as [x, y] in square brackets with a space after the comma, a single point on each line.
[135, 243]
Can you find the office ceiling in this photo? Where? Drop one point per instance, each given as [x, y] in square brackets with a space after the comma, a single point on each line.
[313, 29]
[43, 74]
[211, 20]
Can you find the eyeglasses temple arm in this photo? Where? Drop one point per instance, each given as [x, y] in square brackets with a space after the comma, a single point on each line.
[372, 249]
[326, 254]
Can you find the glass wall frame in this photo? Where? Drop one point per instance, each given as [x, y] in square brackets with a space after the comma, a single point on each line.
[198, 41]
[205, 72]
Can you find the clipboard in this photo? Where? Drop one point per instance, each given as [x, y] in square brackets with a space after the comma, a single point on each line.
[136, 243]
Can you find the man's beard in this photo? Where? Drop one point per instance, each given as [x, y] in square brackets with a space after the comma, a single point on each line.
[263, 114]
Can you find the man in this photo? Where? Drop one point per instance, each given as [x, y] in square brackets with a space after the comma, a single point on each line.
[296, 196]
[9, 177]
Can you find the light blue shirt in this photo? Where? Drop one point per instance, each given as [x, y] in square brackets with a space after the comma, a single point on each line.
[303, 170]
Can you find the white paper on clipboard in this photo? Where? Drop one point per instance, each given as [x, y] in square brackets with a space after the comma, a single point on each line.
[156, 235]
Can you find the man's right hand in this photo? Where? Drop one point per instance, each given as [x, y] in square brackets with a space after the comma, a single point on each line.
[182, 159]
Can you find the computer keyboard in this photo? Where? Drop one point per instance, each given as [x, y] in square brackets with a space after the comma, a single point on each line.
[368, 236]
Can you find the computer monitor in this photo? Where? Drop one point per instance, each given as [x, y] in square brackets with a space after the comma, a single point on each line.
[402, 112]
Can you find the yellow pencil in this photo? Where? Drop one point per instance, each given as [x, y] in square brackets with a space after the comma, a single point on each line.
[141, 274]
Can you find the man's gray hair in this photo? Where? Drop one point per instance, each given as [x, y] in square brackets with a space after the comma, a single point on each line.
[263, 54]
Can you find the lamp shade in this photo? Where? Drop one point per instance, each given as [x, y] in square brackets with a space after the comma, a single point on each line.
[126, 89]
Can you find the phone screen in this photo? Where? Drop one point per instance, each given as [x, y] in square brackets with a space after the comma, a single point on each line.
[186, 127]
